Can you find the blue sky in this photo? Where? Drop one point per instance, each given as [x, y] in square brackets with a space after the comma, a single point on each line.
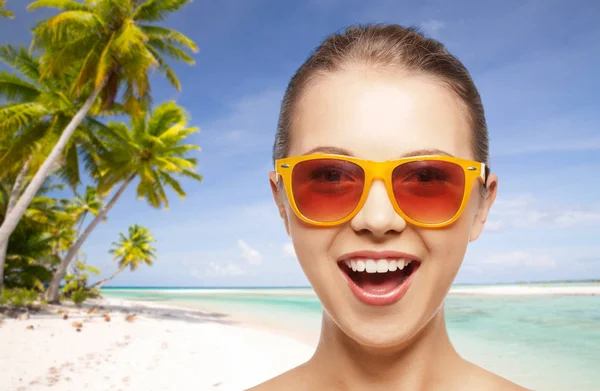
[535, 63]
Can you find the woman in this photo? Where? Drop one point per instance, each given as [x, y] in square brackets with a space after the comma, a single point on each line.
[382, 179]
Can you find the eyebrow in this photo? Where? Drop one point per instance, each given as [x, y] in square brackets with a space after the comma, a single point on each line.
[345, 152]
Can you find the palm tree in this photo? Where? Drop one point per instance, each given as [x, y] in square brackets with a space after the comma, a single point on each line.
[35, 112]
[4, 12]
[82, 205]
[152, 150]
[112, 49]
[131, 251]
[31, 253]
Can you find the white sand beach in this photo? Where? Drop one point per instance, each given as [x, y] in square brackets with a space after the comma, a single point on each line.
[160, 349]
[165, 347]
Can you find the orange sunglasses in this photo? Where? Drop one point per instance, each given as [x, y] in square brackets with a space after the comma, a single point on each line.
[427, 191]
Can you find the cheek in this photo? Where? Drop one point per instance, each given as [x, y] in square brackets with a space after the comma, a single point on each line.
[312, 246]
[447, 246]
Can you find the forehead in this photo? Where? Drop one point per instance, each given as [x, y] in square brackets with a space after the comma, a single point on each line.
[379, 116]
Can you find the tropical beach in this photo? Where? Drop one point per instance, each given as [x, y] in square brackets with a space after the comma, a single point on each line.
[140, 247]
[233, 339]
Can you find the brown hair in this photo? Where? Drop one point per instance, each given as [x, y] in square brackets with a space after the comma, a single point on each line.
[384, 47]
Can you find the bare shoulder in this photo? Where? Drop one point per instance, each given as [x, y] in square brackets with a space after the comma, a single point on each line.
[482, 379]
[292, 380]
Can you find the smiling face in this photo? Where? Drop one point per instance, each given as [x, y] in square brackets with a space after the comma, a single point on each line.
[382, 116]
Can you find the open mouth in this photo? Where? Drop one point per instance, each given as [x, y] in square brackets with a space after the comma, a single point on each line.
[379, 281]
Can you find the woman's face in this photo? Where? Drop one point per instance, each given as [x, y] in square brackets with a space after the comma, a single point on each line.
[382, 116]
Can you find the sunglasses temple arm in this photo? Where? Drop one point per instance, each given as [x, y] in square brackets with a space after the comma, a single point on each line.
[485, 173]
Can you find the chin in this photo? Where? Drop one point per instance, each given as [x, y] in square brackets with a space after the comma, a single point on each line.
[393, 328]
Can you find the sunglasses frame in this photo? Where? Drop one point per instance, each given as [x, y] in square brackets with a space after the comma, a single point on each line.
[379, 170]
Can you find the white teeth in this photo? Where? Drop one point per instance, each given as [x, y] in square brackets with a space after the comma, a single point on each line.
[377, 265]
[371, 266]
[360, 266]
[393, 266]
[382, 266]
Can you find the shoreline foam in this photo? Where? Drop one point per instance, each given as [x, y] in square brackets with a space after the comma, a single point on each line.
[591, 289]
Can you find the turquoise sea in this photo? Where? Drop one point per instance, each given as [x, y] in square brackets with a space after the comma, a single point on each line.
[541, 342]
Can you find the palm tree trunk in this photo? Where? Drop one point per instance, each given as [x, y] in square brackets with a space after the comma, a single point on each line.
[101, 283]
[16, 190]
[52, 294]
[81, 223]
[79, 230]
[12, 200]
[12, 219]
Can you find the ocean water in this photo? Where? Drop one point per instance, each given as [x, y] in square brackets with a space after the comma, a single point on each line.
[541, 342]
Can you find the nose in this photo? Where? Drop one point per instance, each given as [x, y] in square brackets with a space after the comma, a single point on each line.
[377, 217]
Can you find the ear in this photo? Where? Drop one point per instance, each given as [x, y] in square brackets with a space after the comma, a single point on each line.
[278, 196]
[484, 207]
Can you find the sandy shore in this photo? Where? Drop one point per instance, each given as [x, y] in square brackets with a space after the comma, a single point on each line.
[162, 348]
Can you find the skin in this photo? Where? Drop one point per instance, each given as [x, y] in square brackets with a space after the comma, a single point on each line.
[404, 346]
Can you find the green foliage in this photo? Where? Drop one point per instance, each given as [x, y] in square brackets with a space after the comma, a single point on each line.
[76, 286]
[4, 12]
[132, 250]
[110, 47]
[153, 150]
[84, 46]
[35, 114]
[19, 297]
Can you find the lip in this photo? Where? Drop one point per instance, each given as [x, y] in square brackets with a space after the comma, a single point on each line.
[378, 255]
[387, 298]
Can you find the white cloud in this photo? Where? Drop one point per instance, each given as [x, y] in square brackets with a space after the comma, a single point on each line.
[525, 211]
[288, 250]
[250, 254]
[520, 258]
[570, 218]
[432, 27]
[215, 269]
[494, 225]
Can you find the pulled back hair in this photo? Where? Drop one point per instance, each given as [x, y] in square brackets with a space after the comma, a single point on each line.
[386, 47]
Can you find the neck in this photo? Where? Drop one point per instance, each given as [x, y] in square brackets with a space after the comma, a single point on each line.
[425, 362]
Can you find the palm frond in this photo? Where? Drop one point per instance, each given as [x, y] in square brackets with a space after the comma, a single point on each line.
[88, 68]
[166, 69]
[13, 88]
[171, 51]
[173, 183]
[21, 60]
[69, 171]
[176, 133]
[157, 10]
[160, 190]
[16, 116]
[165, 115]
[170, 36]
[192, 175]
[67, 26]
[129, 39]
[4, 12]
[65, 5]
[105, 63]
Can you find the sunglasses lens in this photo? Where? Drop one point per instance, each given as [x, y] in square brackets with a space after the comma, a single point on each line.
[327, 190]
[429, 191]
